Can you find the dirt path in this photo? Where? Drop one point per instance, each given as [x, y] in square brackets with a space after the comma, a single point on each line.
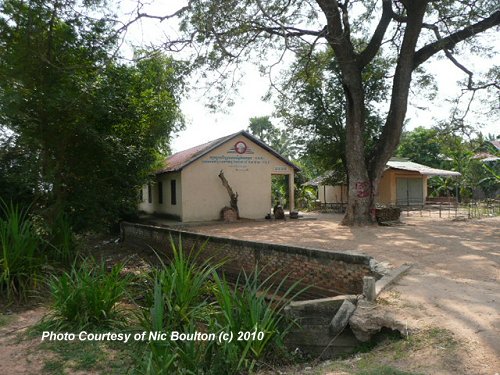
[20, 356]
[454, 282]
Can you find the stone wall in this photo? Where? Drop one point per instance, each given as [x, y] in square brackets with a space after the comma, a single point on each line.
[325, 273]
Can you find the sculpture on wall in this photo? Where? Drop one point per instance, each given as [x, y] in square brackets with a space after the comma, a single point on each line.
[233, 196]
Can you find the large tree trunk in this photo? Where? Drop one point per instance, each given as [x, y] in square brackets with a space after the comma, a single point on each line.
[360, 203]
[364, 171]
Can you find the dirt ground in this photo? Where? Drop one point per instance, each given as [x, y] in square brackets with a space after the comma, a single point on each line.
[453, 283]
[20, 356]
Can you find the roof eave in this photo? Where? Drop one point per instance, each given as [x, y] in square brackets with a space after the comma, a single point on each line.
[269, 149]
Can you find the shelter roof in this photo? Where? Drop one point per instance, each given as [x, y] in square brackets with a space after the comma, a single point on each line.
[407, 165]
[496, 144]
[335, 178]
[182, 159]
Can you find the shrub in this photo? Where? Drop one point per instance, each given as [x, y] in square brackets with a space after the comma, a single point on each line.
[180, 293]
[255, 304]
[187, 295]
[20, 261]
[87, 297]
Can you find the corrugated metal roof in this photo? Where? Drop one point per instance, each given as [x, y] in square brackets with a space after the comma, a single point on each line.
[394, 163]
[407, 165]
[181, 159]
[328, 178]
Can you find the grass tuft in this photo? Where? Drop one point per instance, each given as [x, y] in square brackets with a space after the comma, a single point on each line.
[20, 264]
[87, 297]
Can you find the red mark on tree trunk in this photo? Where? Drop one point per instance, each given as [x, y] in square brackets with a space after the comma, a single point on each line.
[362, 189]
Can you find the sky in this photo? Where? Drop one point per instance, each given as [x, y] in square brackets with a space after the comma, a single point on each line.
[203, 124]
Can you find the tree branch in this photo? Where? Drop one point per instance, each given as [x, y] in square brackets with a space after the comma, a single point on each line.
[373, 46]
[288, 31]
[424, 53]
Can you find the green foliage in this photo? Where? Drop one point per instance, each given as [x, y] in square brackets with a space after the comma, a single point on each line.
[29, 248]
[252, 304]
[83, 129]
[422, 146]
[188, 295]
[87, 297]
[476, 178]
[20, 260]
[312, 103]
[305, 196]
[180, 292]
[279, 190]
[278, 139]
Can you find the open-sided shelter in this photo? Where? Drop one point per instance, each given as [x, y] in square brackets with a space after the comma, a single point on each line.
[403, 183]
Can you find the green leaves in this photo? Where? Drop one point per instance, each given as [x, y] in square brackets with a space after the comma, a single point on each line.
[87, 297]
[188, 295]
[92, 127]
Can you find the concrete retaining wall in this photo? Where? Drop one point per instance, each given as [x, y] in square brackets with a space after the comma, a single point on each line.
[326, 273]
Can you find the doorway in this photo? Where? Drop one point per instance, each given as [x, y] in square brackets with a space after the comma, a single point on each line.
[280, 192]
[409, 191]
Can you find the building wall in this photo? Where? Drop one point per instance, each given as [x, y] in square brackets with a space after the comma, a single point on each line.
[386, 190]
[387, 186]
[248, 174]
[166, 208]
[332, 194]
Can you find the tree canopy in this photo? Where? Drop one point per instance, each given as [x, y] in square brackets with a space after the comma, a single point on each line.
[406, 33]
[82, 129]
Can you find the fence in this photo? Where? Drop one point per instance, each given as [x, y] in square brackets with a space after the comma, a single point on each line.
[451, 209]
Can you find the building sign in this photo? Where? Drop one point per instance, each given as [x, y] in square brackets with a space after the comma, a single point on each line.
[240, 157]
[240, 147]
[280, 169]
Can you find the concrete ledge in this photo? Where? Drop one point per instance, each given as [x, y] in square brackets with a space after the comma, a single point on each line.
[348, 256]
[391, 277]
[322, 302]
[323, 273]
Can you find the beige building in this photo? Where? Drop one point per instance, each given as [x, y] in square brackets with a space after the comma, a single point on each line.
[403, 183]
[188, 187]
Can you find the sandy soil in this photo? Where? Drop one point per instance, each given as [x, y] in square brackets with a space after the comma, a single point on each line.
[453, 284]
[18, 354]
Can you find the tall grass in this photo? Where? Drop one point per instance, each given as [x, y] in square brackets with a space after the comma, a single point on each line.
[61, 245]
[188, 295]
[20, 261]
[87, 297]
[180, 293]
[255, 304]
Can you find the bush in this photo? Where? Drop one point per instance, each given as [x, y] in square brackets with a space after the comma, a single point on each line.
[254, 305]
[180, 293]
[187, 295]
[20, 260]
[61, 244]
[87, 297]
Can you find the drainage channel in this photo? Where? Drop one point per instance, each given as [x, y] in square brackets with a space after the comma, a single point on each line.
[333, 312]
